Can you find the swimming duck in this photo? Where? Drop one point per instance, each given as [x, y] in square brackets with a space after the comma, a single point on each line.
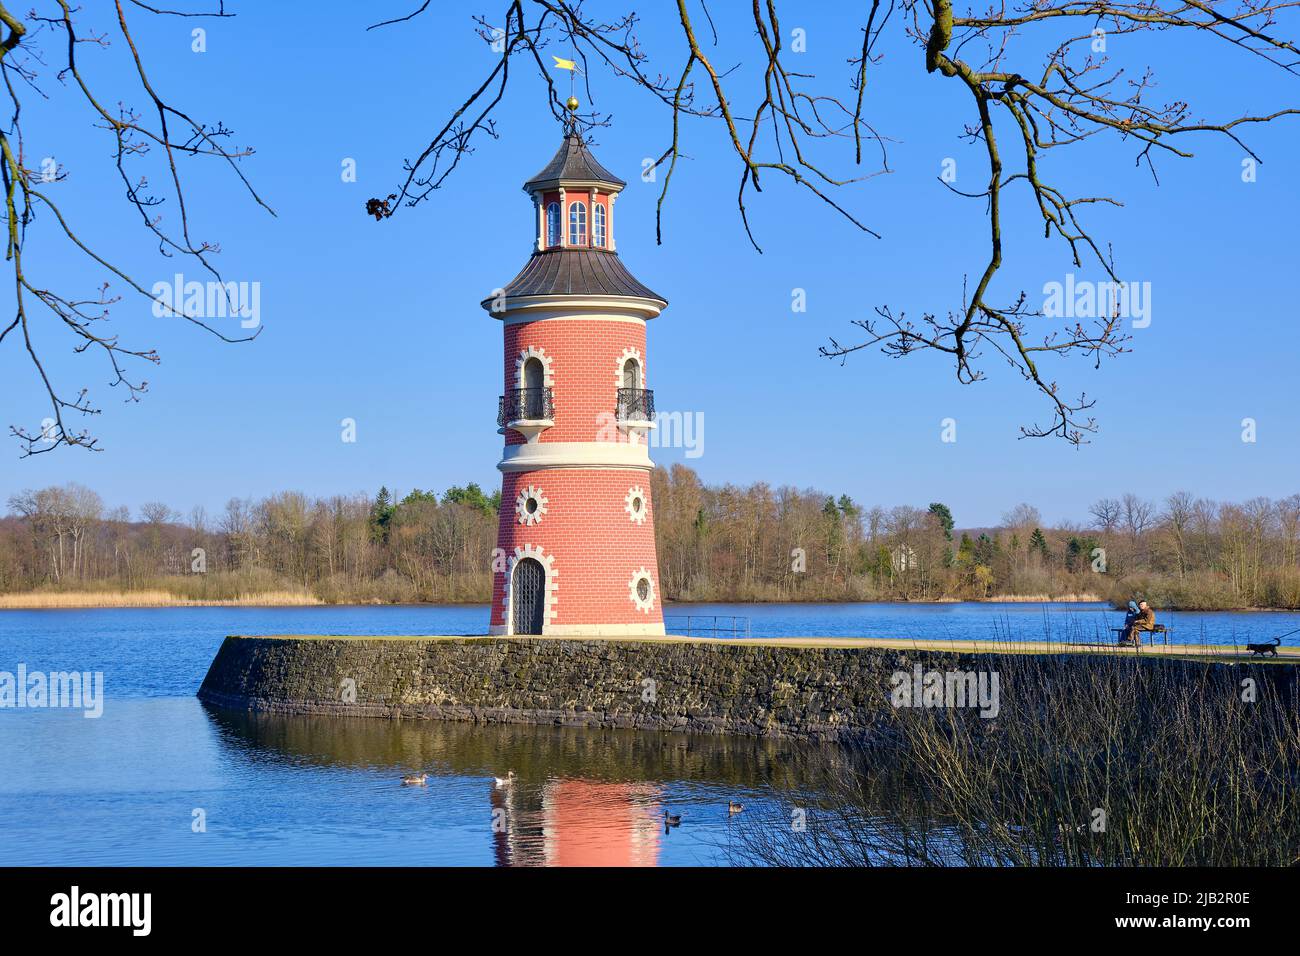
[733, 807]
[672, 819]
[415, 780]
[505, 781]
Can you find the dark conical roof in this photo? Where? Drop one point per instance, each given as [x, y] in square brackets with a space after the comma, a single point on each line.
[573, 161]
[576, 272]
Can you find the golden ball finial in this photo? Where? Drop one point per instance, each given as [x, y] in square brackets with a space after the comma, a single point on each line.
[572, 104]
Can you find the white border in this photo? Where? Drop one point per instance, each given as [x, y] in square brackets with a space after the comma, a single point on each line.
[648, 629]
[575, 454]
[532, 308]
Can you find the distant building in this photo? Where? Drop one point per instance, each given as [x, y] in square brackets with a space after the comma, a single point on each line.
[576, 535]
[902, 558]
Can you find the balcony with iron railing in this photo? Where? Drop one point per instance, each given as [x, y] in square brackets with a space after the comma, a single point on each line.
[527, 410]
[636, 407]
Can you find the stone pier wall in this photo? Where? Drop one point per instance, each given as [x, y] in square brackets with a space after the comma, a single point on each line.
[701, 686]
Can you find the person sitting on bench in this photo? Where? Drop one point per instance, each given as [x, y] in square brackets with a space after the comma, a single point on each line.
[1144, 621]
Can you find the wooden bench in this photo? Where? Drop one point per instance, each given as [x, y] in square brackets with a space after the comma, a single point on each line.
[1162, 629]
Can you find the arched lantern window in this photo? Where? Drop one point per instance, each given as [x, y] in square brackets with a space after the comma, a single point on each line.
[598, 225]
[577, 223]
[553, 224]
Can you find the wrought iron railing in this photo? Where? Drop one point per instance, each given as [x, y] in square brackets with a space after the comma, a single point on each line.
[525, 404]
[706, 625]
[636, 405]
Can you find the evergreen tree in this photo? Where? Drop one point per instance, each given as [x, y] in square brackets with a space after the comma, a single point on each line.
[942, 512]
[381, 514]
[1037, 542]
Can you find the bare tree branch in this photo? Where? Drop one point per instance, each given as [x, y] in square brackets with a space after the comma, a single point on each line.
[173, 133]
[1077, 95]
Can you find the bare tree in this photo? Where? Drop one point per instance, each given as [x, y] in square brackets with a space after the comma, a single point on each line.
[157, 513]
[1179, 509]
[46, 44]
[1288, 516]
[1138, 515]
[1023, 517]
[1069, 96]
[1106, 513]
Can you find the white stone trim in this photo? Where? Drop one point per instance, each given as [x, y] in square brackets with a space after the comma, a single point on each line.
[622, 360]
[609, 224]
[525, 308]
[574, 454]
[533, 351]
[648, 629]
[564, 220]
[539, 213]
[547, 561]
[644, 605]
[637, 515]
[521, 505]
[604, 188]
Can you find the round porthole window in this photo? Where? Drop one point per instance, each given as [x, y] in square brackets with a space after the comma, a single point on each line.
[636, 505]
[642, 590]
[530, 505]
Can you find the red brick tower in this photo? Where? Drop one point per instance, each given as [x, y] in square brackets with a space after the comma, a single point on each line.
[577, 525]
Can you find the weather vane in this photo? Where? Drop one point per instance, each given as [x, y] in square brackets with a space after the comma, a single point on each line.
[572, 103]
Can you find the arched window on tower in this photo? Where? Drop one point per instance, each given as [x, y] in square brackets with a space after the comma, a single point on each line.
[534, 379]
[577, 223]
[631, 374]
[598, 225]
[552, 224]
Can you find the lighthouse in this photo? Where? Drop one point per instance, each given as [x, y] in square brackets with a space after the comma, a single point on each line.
[576, 545]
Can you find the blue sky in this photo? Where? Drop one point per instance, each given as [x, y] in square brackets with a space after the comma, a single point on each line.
[380, 322]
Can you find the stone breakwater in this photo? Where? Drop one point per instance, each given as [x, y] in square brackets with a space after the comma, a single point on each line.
[818, 691]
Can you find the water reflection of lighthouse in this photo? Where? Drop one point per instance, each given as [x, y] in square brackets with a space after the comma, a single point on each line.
[571, 822]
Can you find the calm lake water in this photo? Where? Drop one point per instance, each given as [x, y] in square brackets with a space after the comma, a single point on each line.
[127, 788]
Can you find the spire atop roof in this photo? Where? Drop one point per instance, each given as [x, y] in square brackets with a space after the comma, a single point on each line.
[573, 163]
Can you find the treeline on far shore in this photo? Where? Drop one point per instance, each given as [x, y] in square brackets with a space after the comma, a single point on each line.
[716, 543]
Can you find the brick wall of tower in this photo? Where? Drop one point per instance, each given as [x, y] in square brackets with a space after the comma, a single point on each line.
[584, 360]
[595, 545]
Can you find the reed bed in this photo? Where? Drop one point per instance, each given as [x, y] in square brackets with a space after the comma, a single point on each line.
[1092, 761]
[93, 599]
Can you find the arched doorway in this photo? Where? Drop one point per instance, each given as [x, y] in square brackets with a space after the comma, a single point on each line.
[528, 596]
[631, 374]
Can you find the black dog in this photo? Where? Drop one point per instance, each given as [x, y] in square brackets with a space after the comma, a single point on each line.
[1265, 648]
